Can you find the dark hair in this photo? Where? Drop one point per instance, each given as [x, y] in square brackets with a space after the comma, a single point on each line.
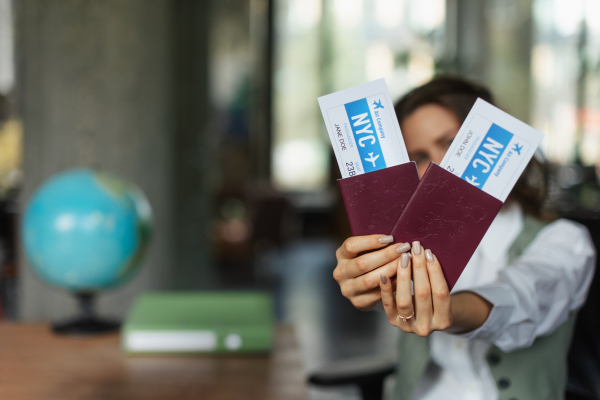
[458, 96]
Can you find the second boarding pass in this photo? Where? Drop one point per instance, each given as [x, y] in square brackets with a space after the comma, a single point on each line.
[491, 149]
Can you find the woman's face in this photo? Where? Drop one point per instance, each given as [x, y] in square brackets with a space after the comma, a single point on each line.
[428, 132]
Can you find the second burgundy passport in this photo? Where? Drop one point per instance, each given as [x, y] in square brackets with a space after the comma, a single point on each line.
[448, 216]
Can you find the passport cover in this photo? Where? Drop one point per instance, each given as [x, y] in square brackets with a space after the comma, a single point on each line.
[448, 216]
[374, 201]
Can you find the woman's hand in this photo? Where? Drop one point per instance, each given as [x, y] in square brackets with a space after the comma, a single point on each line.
[359, 274]
[432, 308]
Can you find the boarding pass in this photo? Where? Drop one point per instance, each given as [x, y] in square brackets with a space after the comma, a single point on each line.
[491, 149]
[363, 129]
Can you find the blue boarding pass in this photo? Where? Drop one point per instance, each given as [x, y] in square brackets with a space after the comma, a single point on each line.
[491, 149]
[363, 129]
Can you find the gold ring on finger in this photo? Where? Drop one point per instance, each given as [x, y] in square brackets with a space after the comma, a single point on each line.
[406, 318]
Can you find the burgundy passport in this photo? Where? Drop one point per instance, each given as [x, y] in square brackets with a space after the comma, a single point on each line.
[448, 216]
[374, 201]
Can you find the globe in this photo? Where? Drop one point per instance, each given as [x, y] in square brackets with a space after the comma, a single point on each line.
[85, 231]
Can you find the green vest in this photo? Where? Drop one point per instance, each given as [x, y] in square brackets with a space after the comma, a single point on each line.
[538, 372]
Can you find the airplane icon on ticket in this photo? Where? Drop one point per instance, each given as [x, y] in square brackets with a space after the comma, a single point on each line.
[378, 104]
[518, 148]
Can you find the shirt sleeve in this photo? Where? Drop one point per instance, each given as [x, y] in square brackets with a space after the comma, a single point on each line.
[535, 295]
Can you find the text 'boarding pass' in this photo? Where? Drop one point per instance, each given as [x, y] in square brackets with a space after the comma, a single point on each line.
[363, 129]
[491, 149]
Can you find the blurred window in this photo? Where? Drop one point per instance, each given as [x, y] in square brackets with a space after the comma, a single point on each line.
[323, 46]
[544, 70]
[565, 67]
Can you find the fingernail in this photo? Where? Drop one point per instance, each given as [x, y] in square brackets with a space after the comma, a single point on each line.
[404, 260]
[417, 247]
[383, 279]
[429, 255]
[403, 248]
[409, 256]
[386, 239]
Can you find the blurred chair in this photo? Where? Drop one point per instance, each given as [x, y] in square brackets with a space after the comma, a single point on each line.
[8, 257]
[584, 355]
[368, 374]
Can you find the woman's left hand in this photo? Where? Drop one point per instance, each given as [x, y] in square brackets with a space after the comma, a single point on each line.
[430, 309]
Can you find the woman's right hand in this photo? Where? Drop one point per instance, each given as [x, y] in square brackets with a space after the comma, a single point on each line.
[359, 274]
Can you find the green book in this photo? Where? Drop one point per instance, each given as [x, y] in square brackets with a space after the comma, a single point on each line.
[199, 322]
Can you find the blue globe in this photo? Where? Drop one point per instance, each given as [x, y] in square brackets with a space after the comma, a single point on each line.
[86, 230]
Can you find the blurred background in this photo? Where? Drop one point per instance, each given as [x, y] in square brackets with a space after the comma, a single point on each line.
[210, 107]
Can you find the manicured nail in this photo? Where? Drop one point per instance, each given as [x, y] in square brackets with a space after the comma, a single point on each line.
[404, 260]
[409, 256]
[403, 248]
[417, 247]
[429, 255]
[383, 279]
[386, 239]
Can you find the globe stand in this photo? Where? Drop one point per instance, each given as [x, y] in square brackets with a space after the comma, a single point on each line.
[87, 323]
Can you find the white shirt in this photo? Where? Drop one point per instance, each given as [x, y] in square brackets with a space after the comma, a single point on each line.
[532, 297]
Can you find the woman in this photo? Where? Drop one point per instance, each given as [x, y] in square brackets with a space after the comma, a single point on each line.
[504, 331]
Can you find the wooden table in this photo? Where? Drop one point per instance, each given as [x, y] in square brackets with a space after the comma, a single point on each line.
[38, 365]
